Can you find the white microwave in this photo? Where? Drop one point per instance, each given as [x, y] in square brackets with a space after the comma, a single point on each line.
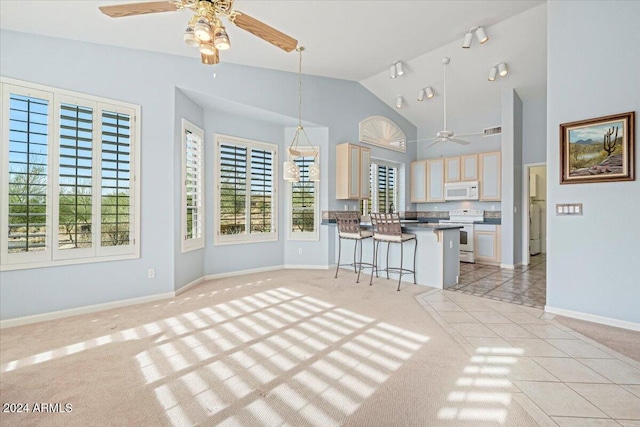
[468, 190]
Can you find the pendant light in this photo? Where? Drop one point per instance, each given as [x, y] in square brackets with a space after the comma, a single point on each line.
[291, 170]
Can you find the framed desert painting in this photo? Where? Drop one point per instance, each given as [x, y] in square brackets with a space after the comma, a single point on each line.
[598, 150]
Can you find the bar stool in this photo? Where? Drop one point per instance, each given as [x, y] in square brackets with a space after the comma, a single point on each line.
[387, 228]
[349, 228]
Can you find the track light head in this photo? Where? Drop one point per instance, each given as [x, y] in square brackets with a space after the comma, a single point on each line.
[466, 44]
[502, 69]
[421, 94]
[399, 68]
[392, 71]
[481, 35]
[492, 74]
[430, 93]
[399, 101]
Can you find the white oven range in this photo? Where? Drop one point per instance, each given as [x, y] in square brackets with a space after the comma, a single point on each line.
[465, 218]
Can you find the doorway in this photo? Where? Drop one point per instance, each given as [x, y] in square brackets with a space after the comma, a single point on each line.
[534, 221]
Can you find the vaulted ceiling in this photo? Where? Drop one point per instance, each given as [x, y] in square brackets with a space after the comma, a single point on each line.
[349, 39]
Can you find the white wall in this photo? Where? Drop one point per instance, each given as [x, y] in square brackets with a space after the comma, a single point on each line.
[593, 65]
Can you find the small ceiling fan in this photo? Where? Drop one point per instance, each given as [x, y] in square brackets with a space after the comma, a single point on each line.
[205, 30]
[446, 134]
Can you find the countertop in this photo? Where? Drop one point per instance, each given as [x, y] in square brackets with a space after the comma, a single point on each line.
[409, 224]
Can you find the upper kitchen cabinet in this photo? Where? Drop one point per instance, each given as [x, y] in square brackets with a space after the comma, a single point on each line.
[469, 167]
[352, 171]
[419, 181]
[452, 169]
[435, 180]
[490, 176]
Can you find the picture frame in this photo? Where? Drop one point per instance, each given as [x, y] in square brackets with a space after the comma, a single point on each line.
[598, 150]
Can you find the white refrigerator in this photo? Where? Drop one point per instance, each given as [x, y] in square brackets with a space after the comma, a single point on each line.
[534, 229]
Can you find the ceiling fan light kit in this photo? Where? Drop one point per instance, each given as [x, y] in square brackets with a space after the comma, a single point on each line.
[205, 30]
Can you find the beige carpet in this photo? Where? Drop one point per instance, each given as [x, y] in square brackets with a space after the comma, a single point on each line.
[288, 347]
[623, 341]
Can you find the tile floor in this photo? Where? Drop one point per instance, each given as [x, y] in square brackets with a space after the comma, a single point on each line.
[519, 353]
[525, 285]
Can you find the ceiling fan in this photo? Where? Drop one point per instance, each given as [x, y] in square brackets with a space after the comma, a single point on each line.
[446, 134]
[205, 30]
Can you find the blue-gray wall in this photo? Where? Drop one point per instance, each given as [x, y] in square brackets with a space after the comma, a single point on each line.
[189, 266]
[592, 260]
[150, 80]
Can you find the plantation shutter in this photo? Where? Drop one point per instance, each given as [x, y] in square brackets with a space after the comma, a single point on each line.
[29, 128]
[233, 187]
[261, 190]
[193, 175]
[303, 199]
[75, 183]
[116, 182]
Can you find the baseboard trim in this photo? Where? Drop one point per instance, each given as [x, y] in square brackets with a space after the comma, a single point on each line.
[53, 315]
[190, 285]
[242, 272]
[624, 324]
[306, 267]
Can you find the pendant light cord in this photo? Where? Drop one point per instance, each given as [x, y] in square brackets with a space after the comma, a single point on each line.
[294, 142]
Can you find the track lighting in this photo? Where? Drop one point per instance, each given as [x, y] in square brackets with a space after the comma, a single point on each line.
[399, 101]
[430, 93]
[502, 69]
[468, 37]
[425, 91]
[480, 33]
[492, 73]
[396, 70]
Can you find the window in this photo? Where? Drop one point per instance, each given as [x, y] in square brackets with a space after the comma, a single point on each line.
[383, 182]
[69, 161]
[192, 187]
[303, 205]
[246, 206]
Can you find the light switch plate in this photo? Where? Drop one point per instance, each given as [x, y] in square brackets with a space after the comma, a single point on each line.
[569, 209]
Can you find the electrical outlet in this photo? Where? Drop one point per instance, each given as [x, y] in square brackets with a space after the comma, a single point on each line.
[299, 251]
[493, 207]
[346, 207]
[151, 274]
[450, 244]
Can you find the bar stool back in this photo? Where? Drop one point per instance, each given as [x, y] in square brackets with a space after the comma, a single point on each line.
[349, 228]
[387, 228]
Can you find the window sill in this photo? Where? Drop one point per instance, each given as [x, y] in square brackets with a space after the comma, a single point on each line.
[60, 263]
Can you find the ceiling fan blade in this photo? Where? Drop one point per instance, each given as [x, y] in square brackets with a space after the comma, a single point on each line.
[424, 139]
[458, 141]
[434, 142]
[470, 134]
[265, 32]
[131, 9]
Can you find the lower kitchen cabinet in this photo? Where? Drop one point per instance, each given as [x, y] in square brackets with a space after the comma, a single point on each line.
[487, 243]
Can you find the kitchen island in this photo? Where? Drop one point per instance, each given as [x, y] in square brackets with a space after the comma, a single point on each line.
[437, 256]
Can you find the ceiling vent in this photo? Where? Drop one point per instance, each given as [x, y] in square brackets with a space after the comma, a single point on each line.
[492, 131]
